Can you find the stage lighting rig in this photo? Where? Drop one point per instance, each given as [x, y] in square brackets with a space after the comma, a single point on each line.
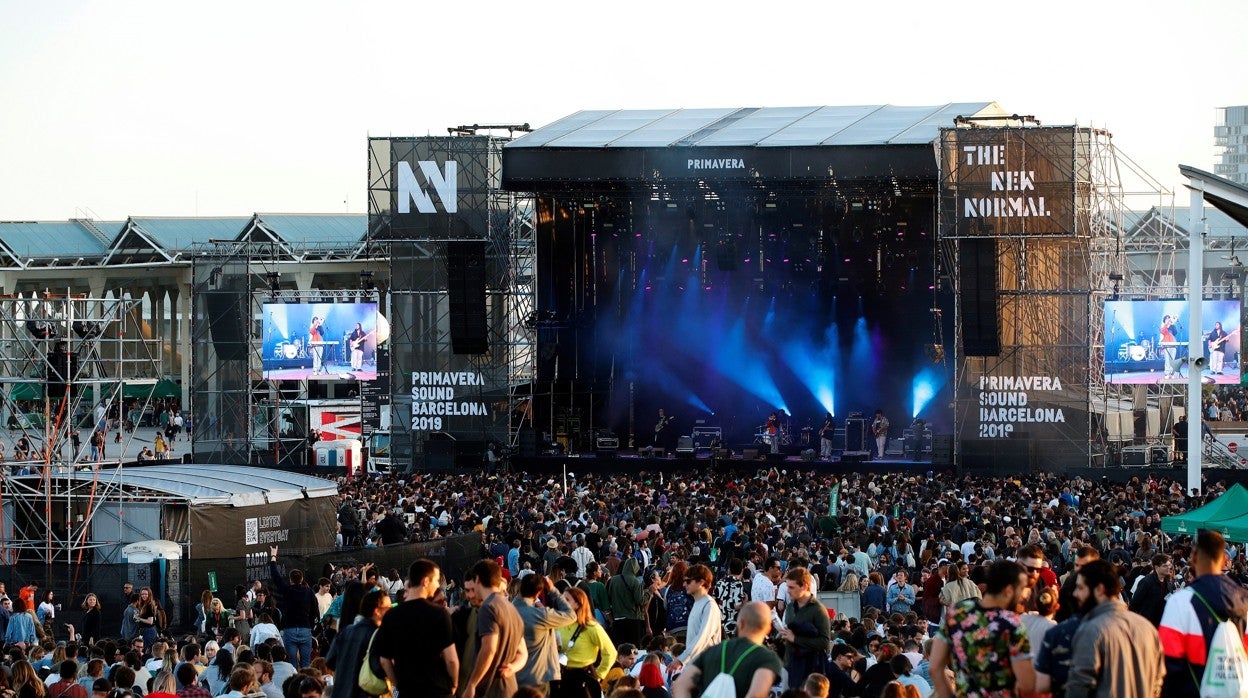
[367, 282]
[275, 282]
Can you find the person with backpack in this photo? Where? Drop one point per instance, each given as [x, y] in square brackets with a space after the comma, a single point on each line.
[1193, 614]
[742, 666]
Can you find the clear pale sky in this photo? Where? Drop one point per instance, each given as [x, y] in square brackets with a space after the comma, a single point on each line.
[228, 108]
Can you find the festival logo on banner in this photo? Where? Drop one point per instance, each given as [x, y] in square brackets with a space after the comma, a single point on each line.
[1006, 403]
[438, 396]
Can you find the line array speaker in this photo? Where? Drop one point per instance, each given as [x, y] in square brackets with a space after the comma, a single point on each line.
[465, 283]
[977, 296]
[225, 324]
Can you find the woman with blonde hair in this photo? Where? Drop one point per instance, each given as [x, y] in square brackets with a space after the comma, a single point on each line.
[218, 619]
[850, 583]
[90, 623]
[26, 683]
[581, 644]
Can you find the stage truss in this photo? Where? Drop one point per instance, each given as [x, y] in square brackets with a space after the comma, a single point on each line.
[236, 417]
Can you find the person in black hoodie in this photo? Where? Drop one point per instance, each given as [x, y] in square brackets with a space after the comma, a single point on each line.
[299, 610]
[1193, 613]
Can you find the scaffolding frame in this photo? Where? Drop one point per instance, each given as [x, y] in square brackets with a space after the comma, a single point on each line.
[67, 344]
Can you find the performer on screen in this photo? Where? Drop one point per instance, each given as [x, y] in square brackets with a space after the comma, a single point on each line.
[1217, 348]
[356, 340]
[825, 436]
[314, 342]
[879, 427]
[1169, 345]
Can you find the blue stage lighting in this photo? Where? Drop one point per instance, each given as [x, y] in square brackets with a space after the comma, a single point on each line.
[923, 388]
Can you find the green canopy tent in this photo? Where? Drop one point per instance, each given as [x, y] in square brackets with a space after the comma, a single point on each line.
[164, 388]
[1214, 515]
[1234, 529]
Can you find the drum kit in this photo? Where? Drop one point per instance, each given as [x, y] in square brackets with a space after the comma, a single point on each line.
[782, 437]
[290, 350]
[1137, 351]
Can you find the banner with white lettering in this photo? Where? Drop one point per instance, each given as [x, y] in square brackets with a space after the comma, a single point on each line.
[1010, 181]
[443, 400]
[432, 188]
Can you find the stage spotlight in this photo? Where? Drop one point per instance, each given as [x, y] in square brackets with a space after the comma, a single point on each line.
[41, 329]
[275, 282]
[366, 280]
[88, 329]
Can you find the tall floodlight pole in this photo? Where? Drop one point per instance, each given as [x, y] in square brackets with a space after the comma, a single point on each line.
[1195, 339]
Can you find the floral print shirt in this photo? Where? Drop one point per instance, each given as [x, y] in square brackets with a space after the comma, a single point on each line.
[982, 642]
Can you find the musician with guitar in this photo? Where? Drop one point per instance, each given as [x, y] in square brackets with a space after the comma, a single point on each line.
[879, 427]
[1217, 348]
[356, 342]
[825, 436]
[660, 431]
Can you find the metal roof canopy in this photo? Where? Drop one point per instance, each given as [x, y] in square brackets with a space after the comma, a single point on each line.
[231, 485]
[751, 144]
[1226, 196]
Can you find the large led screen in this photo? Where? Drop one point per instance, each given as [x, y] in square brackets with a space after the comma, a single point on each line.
[1148, 341]
[320, 341]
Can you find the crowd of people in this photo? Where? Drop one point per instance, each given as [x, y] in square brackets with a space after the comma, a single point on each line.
[645, 585]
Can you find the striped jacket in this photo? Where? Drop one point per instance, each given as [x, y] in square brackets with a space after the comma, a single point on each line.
[1187, 628]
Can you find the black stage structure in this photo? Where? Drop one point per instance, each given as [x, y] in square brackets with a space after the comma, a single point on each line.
[727, 264]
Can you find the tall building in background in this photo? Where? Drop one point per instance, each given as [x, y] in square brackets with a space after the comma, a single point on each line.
[1231, 136]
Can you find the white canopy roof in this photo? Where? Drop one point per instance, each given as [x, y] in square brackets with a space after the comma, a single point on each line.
[233, 485]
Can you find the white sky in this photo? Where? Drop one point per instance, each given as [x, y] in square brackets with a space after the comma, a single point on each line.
[228, 108]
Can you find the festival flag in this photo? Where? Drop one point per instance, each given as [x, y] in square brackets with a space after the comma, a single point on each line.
[834, 499]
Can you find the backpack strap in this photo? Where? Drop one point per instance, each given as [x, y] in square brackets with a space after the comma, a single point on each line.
[723, 654]
[1206, 603]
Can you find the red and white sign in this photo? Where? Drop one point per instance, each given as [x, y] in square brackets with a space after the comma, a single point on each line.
[1232, 447]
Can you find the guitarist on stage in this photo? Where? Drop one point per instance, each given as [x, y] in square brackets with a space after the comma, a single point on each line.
[660, 431]
[879, 427]
[356, 340]
[1217, 348]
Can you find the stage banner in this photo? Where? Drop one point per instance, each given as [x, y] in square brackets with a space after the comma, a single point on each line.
[1009, 421]
[432, 188]
[463, 404]
[1004, 182]
[300, 525]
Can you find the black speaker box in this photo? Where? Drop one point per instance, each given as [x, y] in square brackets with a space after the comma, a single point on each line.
[225, 324]
[465, 285]
[977, 296]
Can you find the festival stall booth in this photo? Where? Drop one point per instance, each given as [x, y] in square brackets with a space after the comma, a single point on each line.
[1226, 514]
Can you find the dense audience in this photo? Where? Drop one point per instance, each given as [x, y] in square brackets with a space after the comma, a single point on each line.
[782, 581]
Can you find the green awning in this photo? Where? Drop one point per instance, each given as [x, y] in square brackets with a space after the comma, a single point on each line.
[1230, 506]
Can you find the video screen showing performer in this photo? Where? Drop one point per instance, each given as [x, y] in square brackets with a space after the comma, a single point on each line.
[1149, 342]
[320, 341]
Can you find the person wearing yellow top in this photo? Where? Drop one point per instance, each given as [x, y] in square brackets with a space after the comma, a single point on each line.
[583, 643]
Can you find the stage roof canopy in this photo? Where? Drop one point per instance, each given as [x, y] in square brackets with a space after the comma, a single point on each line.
[232, 485]
[877, 124]
[775, 143]
[1228, 197]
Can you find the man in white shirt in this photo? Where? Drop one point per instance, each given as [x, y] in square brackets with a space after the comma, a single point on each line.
[581, 555]
[763, 586]
[706, 621]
